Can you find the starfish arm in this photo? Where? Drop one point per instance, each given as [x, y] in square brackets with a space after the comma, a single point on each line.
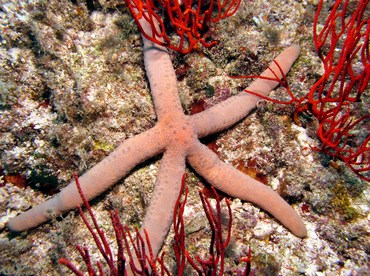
[230, 111]
[95, 181]
[161, 76]
[159, 215]
[237, 184]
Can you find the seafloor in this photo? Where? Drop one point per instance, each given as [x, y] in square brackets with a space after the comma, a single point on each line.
[73, 85]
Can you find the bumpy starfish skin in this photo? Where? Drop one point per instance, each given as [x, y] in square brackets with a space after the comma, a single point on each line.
[176, 135]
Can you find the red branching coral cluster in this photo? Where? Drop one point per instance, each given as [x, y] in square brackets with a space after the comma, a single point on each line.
[182, 24]
[214, 264]
[342, 44]
[332, 99]
[125, 241]
[139, 248]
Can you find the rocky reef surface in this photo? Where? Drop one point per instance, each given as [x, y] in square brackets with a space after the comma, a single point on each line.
[73, 85]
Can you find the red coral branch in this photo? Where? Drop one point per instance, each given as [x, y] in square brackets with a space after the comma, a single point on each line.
[188, 21]
[333, 97]
[247, 261]
[342, 44]
[214, 264]
[179, 229]
[123, 235]
[142, 261]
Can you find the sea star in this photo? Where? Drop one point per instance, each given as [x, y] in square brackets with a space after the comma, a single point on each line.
[177, 136]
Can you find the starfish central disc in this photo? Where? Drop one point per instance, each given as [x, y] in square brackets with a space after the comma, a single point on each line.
[178, 133]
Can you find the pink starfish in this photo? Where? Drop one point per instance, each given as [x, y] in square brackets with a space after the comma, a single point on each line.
[177, 136]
